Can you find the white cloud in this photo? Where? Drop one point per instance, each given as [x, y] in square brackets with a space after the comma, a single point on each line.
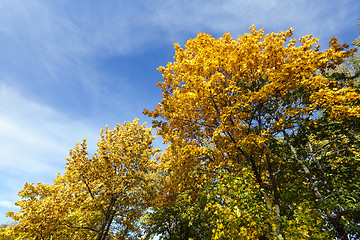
[51, 50]
[320, 18]
[35, 140]
[63, 31]
[6, 204]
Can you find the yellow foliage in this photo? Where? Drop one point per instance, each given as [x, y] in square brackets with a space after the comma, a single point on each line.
[83, 202]
[226, 100]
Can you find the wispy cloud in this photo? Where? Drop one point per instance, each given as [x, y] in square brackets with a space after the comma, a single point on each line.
[57, 45]
[320, 18]
[35, 139]
[6, 204]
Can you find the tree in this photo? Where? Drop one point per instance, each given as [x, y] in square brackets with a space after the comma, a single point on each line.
[178, 212]
[259, 102]
[100, 198]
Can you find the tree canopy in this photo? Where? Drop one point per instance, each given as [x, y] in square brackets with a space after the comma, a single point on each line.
[266, 104]
[97, 198]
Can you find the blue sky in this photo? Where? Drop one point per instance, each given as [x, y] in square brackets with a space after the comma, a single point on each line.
[68, 68]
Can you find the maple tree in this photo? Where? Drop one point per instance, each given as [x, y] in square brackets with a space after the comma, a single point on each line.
[96, 198]
[260, 100]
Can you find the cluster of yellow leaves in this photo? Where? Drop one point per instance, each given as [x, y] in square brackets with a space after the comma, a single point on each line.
[221, 87]
[217, 82]
[93, 192]
[42, 212]
[121, 162]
